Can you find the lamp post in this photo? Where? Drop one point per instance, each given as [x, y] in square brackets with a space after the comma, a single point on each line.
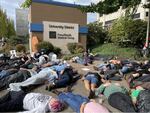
[146, 46]
[148, 26]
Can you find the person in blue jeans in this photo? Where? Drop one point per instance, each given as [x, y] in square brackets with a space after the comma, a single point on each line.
[126, 68]
[74, 101]
[91, 81]
[65, 78]
[80, 104]
[5, 73]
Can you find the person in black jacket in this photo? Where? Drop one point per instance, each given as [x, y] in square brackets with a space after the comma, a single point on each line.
[65, 78]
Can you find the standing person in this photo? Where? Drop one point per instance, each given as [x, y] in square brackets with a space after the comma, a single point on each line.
[32, 102]
[85, 58]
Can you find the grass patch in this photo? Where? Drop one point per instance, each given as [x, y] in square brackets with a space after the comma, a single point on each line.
[69, 56]
[112, 50]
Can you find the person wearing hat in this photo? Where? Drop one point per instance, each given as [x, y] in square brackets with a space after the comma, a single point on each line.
[32, 102]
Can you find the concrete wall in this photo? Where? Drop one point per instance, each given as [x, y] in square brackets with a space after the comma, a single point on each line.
[47, 12]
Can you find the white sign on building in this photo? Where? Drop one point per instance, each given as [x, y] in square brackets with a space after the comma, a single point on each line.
[60, 34]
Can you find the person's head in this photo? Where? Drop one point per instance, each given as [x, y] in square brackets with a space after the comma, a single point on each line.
[55, 105]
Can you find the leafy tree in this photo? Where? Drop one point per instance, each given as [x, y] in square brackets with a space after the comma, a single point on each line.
[96, 34]
[26, 4]
[6, 26]
[128, 32]
[10, 29]
[110, 6]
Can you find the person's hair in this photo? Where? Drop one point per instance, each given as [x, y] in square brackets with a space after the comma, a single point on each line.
[56, 105]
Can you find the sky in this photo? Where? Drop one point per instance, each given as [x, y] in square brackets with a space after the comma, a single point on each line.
[10, 5]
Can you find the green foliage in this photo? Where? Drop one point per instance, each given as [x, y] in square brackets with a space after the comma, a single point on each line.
[75, 48]
[6, 48]
[14, 40]
[26, 4]
[96, 34]
[69, 56]
[110, 6]
[57, 50]
[45, 45]
[6, 26]
[20, 48]
[111, 49]
[127, 32]
[71, 47]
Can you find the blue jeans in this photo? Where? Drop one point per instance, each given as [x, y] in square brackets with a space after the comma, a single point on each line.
[3, 73]
[63, 80]
[73, 100]
[80, 61]
[126, 69]
[59, 68]
[92, 79]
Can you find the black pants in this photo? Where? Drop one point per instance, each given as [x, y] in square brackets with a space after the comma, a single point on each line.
[121, 101]
[20, 76]
[110, 75]
[145, 78]
[12, 101]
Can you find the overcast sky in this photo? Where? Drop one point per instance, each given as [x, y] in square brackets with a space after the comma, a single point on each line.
[10, 5]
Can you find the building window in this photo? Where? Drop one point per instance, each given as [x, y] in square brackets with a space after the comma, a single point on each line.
[146, 14]
[136, 16]
[52, 34]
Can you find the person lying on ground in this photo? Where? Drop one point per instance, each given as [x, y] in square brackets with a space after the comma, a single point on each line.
[44, 76]
[20, 76]
[104, 66]
[91, 81]
[6, 72]
[117, 96]
[137, 79]
[80, 104]
[141, 99]
[32, 103]
[66, 77]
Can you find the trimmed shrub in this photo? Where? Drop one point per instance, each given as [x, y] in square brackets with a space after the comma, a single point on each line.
[47, 46]
[20, 48]
[71, 47]
[75, 48]
[6, 48]
[79, 49]
[57, 50]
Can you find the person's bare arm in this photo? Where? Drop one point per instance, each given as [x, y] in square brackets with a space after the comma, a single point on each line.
[82, 108]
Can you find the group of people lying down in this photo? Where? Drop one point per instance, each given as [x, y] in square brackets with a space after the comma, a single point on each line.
[56, 74]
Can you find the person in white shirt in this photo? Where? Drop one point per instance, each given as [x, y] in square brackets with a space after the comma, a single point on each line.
[30, 103]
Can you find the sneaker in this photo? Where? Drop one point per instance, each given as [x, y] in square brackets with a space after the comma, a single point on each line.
[49, 87]
[91, 94]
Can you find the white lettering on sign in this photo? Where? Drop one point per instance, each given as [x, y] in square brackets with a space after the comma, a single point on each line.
[60, 34]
